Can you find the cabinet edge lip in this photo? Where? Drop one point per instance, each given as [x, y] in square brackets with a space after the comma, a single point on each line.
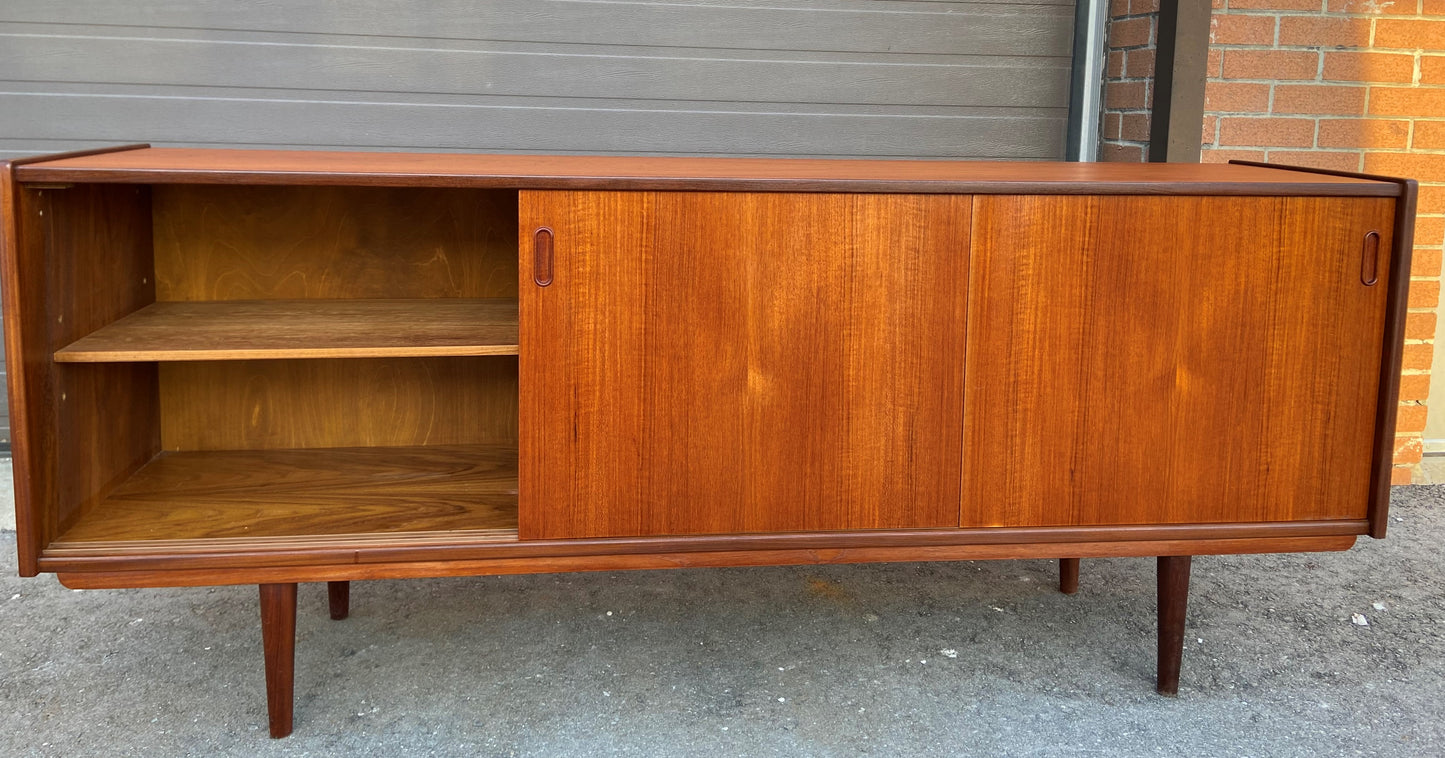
[60, 174]
[20, 163]
[415, 569]
[165, 555]
[1399, 184]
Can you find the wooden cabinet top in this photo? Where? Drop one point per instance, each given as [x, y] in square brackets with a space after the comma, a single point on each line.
[201, 166]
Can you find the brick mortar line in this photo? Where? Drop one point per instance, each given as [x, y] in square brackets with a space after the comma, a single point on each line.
[1255, 47]
[1335, 83]
[1283, 13]
[1353, 49]
[1427, 86]
[1361, 150]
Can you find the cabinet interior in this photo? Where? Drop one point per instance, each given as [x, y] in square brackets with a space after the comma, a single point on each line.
[283, 361]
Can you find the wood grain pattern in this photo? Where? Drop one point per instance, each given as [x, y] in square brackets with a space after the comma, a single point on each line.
[206, 166]
[271, 329]
[417, 546]
[281, 493]
[277, 243]
[98, 254]
[30, 378]
[1392, 357]
[714, 363]
[1068, 575]
[338, 600]
[1393, 352]
[1173, 599]
[278, 647]
[613, 562]
[397, 402]
[1140, 360]
[31, 381]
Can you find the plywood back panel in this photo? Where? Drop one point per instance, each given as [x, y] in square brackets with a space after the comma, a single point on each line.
[269, 243]
[1145, 360]
[259, 405]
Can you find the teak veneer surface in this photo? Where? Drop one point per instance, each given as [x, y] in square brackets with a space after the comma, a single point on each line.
[1143, 360]
[204, 166]
[98, 268]
[282, 493]
[345, 402]
[256, 329]
[742, 362]
[290, 243]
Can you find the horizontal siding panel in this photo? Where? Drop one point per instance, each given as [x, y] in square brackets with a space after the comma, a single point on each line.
[973, 28]
[523, 101]
[515, 128]
[1018, 82]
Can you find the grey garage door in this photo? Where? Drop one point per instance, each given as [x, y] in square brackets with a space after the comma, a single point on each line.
[891, 78]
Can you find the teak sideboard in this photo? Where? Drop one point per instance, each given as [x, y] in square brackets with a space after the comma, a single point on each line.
[269, 367]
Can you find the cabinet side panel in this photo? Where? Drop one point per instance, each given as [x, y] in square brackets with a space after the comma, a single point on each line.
[99, 251]
[733, 362]
[276, 243]
[31, 373]
[365, 402]
[1139, 360]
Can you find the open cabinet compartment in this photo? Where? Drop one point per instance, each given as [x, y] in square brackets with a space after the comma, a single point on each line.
[268, 365]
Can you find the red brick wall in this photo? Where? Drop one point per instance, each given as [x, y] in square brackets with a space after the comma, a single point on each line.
[1129, 80]
[1347, 84]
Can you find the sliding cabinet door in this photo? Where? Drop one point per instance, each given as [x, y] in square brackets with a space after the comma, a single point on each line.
[708, 363]
[1146, 360]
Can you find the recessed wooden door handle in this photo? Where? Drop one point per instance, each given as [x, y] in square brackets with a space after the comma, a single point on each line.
[542, 257]
[1370, 259]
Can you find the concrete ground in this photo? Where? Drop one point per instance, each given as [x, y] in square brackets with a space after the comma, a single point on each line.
[978, 658]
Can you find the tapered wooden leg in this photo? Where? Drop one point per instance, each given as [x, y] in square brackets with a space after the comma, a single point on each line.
[339, 594]
[1173, 601]
[1068, 575]
[278, 640]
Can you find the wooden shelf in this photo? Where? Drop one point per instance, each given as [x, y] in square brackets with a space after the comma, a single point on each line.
[262, 329]
[305, 493]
